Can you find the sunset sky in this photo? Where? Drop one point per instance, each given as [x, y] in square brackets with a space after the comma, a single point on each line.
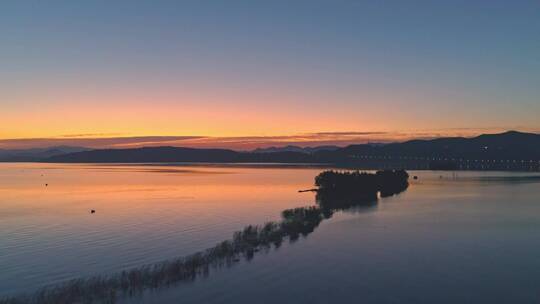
[244, 74]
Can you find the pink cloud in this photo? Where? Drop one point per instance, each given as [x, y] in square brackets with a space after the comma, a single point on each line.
[340, 138]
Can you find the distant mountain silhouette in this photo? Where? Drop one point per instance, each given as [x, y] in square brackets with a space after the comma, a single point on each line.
[175, 154]
[511, 145]
[510, 150]
[36, 154]
[296, 149]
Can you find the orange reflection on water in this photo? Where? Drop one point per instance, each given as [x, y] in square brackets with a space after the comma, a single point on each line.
[118, 192]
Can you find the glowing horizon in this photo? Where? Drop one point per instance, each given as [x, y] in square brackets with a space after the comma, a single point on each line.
[244, 75]
[100, 141]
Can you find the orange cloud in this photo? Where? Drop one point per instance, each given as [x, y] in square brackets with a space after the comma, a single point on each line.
[339, 138]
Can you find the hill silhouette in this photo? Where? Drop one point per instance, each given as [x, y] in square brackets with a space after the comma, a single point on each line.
[36, 154]
[296, 149]
[508, 145]
[510, 150]
[176, 154]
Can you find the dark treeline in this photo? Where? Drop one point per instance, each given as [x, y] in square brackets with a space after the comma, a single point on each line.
[337, 191]
[362, 184]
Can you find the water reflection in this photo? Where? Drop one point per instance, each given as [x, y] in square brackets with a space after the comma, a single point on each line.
[244, 244]
[48, 235]
[508, 179]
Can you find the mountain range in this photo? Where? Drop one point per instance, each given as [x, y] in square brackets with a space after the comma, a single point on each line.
[508, 146]
[295, 149]
[511, 145]
[36, 154]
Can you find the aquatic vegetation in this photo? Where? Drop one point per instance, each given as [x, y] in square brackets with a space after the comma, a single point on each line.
[105, 289]
[391, 182]
[337, 191]
[362, 185]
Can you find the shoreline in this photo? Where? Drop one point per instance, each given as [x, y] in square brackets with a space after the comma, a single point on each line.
[299, 165]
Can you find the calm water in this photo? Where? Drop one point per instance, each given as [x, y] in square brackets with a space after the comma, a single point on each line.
[469, 238]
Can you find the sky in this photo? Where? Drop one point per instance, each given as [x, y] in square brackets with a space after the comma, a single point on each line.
[244, 74]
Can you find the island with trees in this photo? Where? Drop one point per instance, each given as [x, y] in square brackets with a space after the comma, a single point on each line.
[336, 190]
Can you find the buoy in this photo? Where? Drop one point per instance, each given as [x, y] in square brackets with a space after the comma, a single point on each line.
[92, 211]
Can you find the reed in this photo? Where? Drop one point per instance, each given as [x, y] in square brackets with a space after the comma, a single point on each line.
[337, 191]
[244, 244]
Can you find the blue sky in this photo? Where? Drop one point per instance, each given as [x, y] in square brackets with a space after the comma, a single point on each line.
[234, 68]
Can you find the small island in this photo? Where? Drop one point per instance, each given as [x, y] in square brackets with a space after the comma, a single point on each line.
[336, 191]
[362, 184]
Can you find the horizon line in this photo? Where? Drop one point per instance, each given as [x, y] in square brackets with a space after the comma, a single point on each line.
[247, 143]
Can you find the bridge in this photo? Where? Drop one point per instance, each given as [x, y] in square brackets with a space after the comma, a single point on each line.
[425, 163]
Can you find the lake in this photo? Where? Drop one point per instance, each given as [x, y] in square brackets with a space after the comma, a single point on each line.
[465, 237]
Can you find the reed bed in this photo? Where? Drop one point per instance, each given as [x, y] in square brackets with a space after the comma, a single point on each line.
[243, 245]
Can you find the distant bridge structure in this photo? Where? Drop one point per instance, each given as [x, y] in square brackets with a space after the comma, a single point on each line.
[434, 162]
